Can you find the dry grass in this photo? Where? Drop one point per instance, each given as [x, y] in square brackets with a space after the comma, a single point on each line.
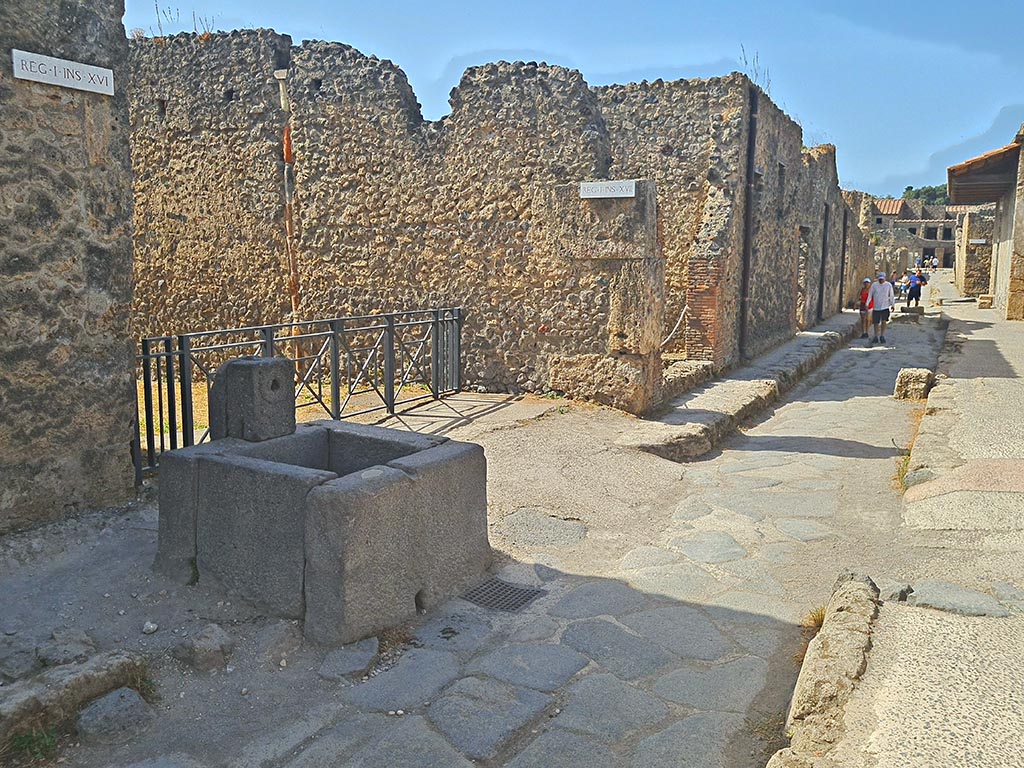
[899, 480]
[810, 625]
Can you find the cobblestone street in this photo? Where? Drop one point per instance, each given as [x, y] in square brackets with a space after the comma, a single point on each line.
[673, 595]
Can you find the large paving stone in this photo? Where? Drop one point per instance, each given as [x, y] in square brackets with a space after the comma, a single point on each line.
[331, 747]
[456, 631]
[114, 718]
[478, 715]
[678, 581]
[690, 509]
[646, 557]
[527, 528]
[697, 741]
[543, 666]
[945, 596]
[709, 547]
[1009, 595]
[603, 706]
[803, 530]
[598, 598]
[560, 749]
[617, 651]
[683, 630]
[417, 677]
[409, 743]
[176, 760]
[540, 628]
[349, 660]
[729, 687]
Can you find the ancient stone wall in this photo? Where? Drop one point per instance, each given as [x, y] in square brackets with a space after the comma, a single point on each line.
[207, 127]
[689, 136]
[393, 212]
[820, 222]
[972, 268]
[398, 213]
[66, 360]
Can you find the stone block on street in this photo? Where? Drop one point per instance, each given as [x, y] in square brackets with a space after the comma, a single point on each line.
[945, 596]
[349, 660]
[114, 718]
[207, 650]
[913, 384]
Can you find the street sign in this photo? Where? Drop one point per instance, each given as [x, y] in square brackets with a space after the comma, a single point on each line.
[61, 72]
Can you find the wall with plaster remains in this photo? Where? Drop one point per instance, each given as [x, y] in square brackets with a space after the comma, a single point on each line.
[66, 357]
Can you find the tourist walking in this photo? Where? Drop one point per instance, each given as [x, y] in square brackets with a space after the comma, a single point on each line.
[865, 308]
[881, 299]
[917, 282]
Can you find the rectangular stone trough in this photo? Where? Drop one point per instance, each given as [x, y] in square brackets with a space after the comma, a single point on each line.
[349, 527]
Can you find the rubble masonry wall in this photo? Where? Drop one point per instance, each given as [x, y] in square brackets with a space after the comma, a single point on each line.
[66, 356]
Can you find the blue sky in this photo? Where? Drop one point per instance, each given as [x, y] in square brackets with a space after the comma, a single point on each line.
[902, 88]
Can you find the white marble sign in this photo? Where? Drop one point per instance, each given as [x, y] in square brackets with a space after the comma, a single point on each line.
[978, 242]
[67, 74]
[592, 189]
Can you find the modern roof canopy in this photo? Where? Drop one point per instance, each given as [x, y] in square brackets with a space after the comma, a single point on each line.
[986, 178]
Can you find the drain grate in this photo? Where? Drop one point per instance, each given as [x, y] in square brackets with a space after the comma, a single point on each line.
[499, 595]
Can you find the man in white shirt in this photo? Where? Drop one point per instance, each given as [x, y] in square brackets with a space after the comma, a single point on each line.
[881, 298]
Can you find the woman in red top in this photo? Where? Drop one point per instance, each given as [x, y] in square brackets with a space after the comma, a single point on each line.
[865, 308]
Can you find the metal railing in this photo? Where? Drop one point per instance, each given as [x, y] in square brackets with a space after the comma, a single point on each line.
[345, 366]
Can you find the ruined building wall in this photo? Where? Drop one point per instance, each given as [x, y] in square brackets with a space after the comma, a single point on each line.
[66, 361]
[207, 131]
[393, 212]
[972, 268]
[398, 213]
[820, 222]
[688, 136]
[777, 212]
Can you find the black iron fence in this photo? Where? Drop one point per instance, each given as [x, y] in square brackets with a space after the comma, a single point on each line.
[344, 367]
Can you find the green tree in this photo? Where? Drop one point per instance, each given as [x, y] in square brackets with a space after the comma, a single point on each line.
[935, 195]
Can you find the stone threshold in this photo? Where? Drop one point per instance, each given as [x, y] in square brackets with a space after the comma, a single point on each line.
[693, 424]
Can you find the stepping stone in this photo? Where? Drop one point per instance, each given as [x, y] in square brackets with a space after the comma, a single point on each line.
[598, 598]
[710, 547]
[560, 749]
[698, 741]
[527, 528]
[349, 660]
[543, 666]
[479, 715]
[683, 630]
[459, 631]
[409, 742]
[945, 596]
[729, 687]
[803, 530]
[646, 557]
[617, 651]
[603, 706]
[417, 677]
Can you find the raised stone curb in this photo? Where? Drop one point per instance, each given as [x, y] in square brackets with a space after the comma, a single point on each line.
[835, 660]
[931, 455]
[697, 422]
[55, 695]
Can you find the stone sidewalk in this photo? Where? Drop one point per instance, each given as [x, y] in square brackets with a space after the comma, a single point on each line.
[967, 466]
[665, 635]
[694, 423]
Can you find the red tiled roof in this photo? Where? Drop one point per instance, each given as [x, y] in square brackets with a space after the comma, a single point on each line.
[888, 207]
